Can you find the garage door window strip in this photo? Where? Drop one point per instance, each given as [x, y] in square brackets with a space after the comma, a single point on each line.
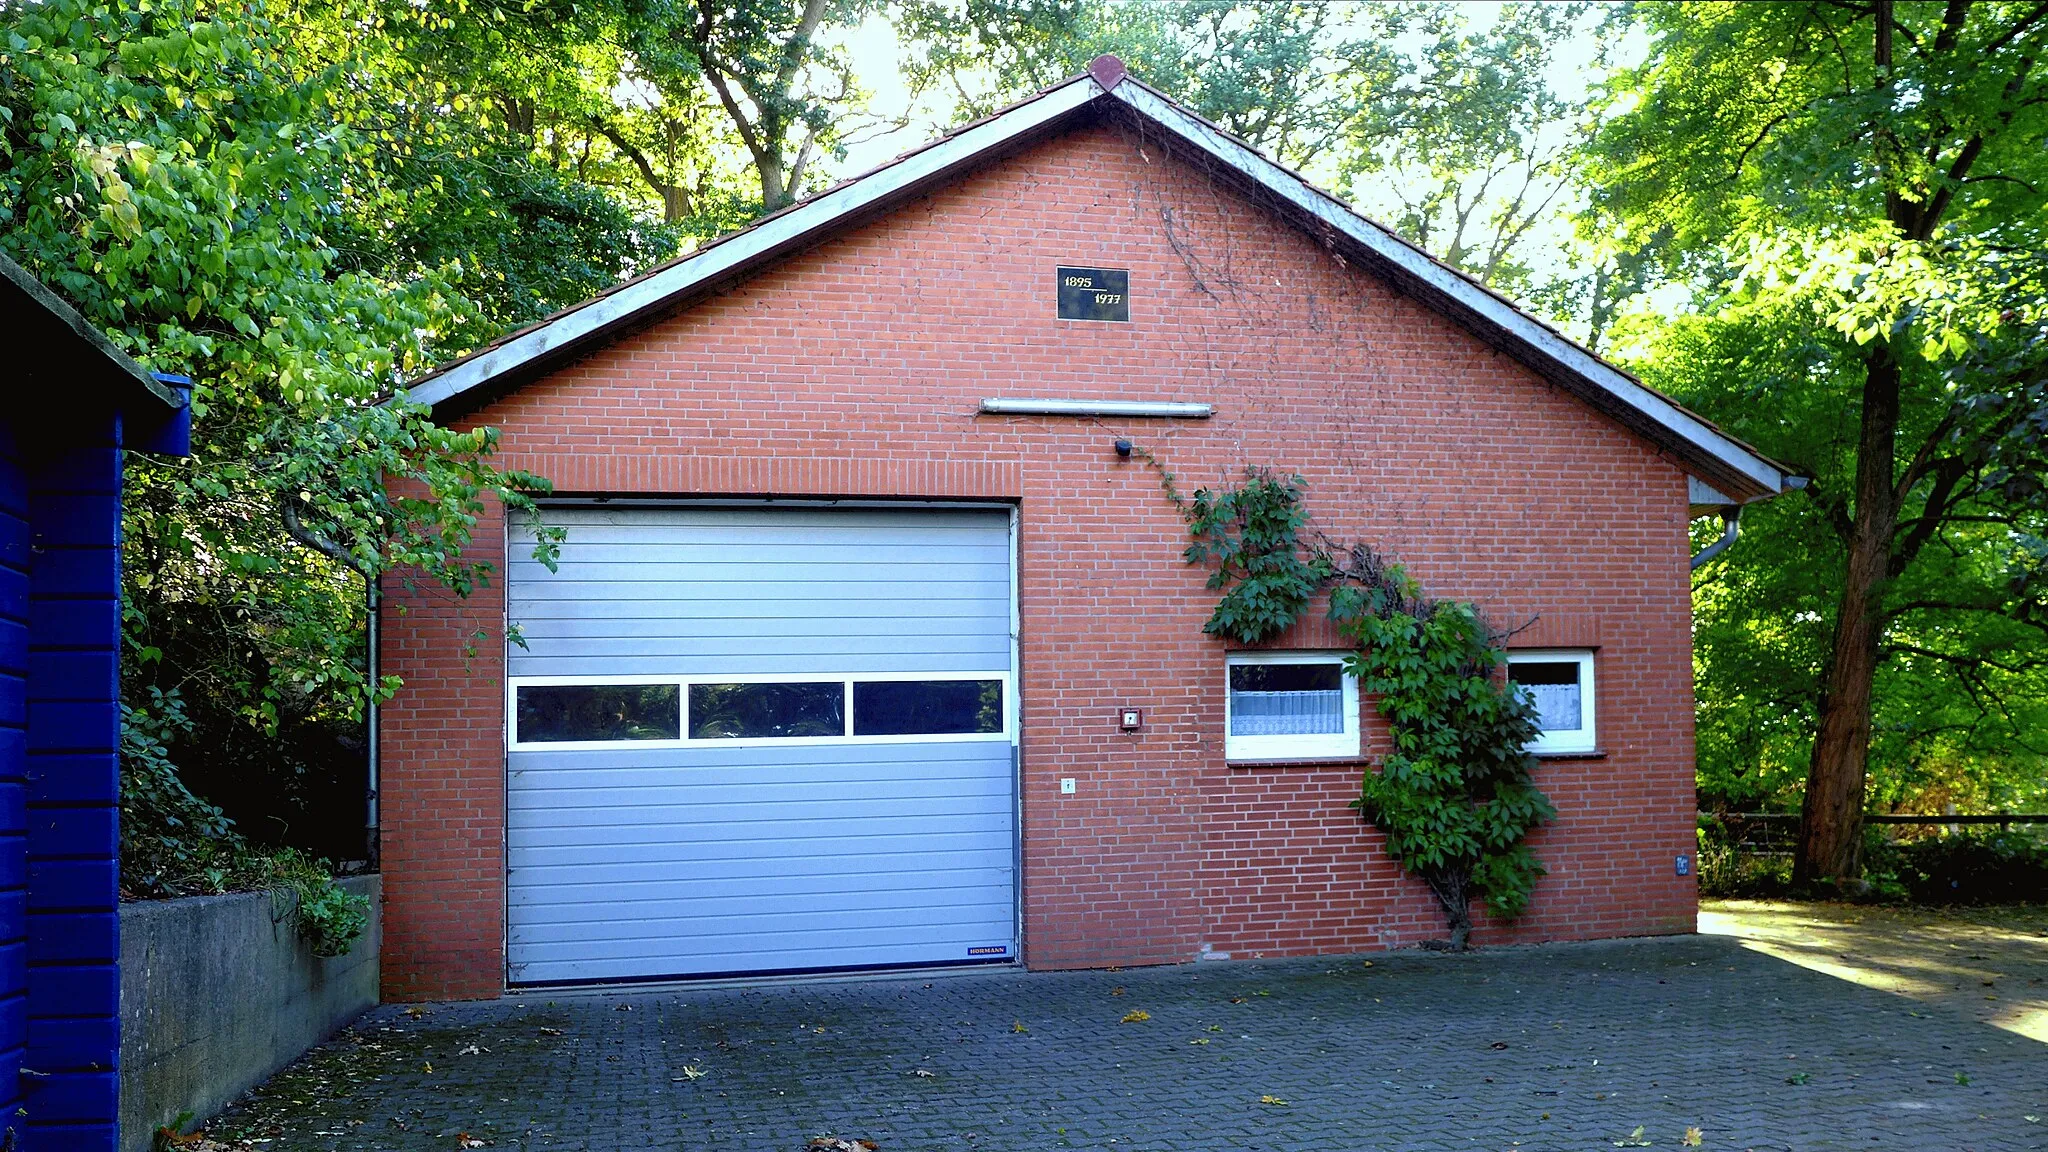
[568, 713]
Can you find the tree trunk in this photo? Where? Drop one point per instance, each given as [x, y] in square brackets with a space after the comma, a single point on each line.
[675, 202]
[1831, 817]
[774, 187]
[1453, 889]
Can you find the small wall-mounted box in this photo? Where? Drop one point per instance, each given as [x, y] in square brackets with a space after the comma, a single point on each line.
[1131, 719]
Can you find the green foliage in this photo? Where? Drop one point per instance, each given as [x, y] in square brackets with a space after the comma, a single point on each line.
[329, 918]
[1851, 258]
[175, 844]
[1470, 143]
[1986, 866]
[226, 203]
[1250, 534]
[1456, 797]
[1907, 864]
[171, 840]
[1461, 137]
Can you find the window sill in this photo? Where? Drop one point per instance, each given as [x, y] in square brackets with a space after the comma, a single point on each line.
[1303, 762]
[1588, 754]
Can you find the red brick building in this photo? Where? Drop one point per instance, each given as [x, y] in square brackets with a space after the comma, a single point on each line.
[869, 648]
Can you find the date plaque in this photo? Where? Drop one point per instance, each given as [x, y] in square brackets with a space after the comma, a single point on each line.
[1094, 293]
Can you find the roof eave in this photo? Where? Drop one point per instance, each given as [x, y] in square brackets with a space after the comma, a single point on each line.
[471, 383]
[1726, 462]
[50, 328]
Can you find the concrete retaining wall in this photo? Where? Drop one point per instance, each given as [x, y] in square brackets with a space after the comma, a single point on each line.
[218, 992]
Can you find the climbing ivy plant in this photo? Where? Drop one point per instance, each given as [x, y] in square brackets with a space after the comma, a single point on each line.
[1456, 795]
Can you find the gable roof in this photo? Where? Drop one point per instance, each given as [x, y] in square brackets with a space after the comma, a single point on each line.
[60, 350]
[1104, 90]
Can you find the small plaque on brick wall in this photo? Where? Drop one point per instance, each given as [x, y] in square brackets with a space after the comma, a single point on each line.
[1095, 293]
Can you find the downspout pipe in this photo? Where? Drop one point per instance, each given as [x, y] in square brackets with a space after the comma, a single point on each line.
[372, 842]
[1731, 529]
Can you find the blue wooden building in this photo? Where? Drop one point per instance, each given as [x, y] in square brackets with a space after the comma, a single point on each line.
[74, 404]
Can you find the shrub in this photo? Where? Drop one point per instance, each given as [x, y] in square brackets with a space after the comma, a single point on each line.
[1970, 866]
[329, 918]
[1963, 867]
[174, 843]
[1730, 868]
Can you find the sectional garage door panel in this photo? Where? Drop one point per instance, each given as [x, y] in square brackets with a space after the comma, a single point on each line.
[701, 856]
[740, 591]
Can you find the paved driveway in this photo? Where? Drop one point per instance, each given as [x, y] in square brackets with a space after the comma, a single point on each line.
[1628, 1044]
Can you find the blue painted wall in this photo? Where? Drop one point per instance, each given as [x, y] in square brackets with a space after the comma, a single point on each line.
[14, 544]
[60, 627]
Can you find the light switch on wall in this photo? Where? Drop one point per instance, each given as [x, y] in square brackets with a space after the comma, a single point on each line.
[1066, 785]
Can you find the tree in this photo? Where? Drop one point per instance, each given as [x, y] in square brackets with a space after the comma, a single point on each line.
[1284, 77]
[189, 181]
[1471, 141]
[783, 89]
[1463, 136]
[1867, 178]
[780, 78]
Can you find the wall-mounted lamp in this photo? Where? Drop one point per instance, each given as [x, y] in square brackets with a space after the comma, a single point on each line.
[1123, 449]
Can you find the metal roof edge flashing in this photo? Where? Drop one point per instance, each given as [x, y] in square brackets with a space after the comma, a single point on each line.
[1544, 349]
[737, 254]
[472, 381]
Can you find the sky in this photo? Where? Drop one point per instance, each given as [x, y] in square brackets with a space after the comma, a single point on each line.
[876, 49]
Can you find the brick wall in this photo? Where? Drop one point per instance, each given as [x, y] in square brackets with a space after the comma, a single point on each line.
[855, 369]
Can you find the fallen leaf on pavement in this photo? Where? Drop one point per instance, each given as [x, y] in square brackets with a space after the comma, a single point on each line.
[1633, 1139]
[1137, 1017]
[1275, 1101]
[190, 1142]
[835, 1144]
[1693, 1137]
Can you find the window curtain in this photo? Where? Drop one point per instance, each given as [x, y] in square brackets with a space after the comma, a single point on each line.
[1557, 706]
[1286, 713]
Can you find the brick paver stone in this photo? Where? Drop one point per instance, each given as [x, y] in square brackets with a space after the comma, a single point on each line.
[1565, 1047]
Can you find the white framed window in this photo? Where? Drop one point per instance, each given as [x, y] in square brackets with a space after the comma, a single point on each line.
[1560, 681]
[1289, 706]
[575, 713]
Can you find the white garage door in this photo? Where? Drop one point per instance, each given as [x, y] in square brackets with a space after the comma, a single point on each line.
[748, 740]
